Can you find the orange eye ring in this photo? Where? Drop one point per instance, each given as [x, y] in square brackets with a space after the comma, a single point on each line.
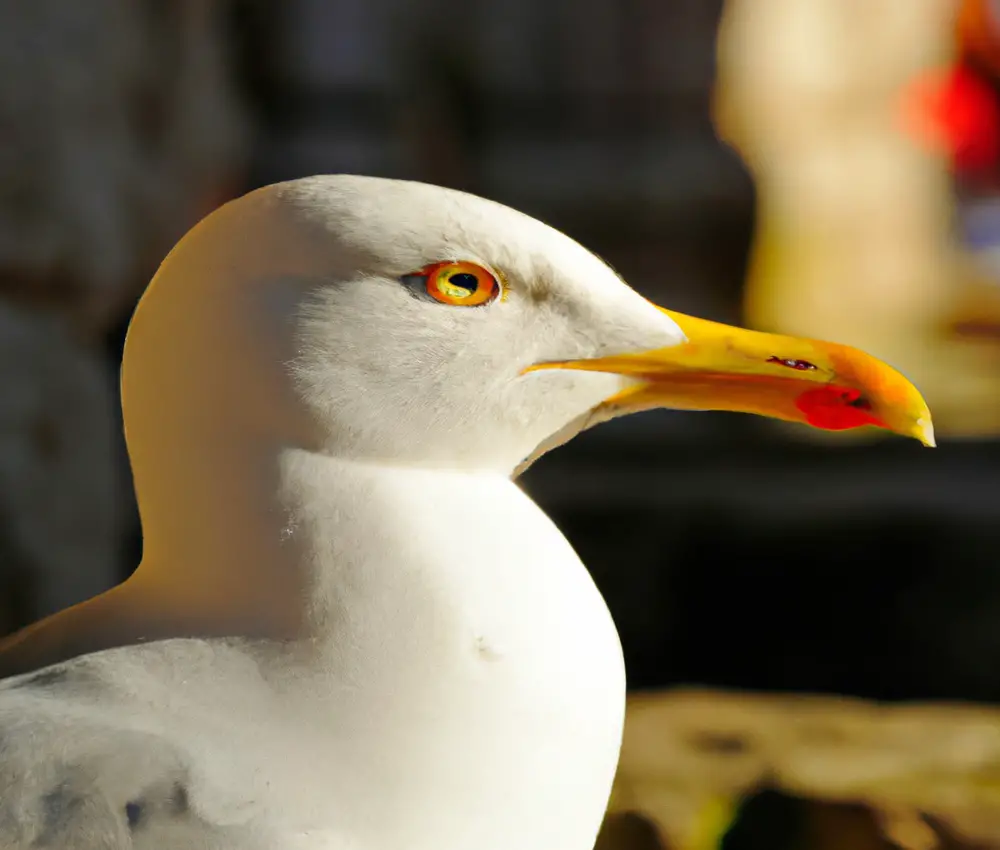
[461, 284]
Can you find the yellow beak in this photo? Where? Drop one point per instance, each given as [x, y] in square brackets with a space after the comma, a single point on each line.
[822, 384]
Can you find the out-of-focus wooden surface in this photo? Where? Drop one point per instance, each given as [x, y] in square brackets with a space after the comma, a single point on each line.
[687, 752]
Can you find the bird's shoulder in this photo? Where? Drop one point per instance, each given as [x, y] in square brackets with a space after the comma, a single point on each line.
[91, 755]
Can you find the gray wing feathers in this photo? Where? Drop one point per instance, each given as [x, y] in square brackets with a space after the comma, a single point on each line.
[75, 775]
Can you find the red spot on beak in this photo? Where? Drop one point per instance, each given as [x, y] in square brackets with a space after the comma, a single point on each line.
[836, 408]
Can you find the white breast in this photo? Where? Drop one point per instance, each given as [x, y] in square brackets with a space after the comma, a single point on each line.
[474, 676]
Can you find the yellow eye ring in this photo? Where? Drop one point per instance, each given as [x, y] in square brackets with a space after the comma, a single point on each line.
[461, 284]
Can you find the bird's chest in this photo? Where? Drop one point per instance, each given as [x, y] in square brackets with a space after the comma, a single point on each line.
[477, 693]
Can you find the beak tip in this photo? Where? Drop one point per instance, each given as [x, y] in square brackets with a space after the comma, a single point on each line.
[925, 433]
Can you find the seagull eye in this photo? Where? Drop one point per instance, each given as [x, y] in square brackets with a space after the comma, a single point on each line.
[460, 284]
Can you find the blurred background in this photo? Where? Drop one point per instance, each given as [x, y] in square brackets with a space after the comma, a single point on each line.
[811, 625]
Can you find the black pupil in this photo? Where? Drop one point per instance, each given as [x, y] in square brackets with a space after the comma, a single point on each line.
[465, 281]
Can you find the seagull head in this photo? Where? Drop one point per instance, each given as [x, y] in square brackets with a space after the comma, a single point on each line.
[409, 324]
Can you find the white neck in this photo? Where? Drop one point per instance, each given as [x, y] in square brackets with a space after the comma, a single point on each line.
[288, 543]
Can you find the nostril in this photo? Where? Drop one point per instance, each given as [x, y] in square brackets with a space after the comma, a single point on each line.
[798, 365]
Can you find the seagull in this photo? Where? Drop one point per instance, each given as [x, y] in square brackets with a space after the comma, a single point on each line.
[351, 629]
